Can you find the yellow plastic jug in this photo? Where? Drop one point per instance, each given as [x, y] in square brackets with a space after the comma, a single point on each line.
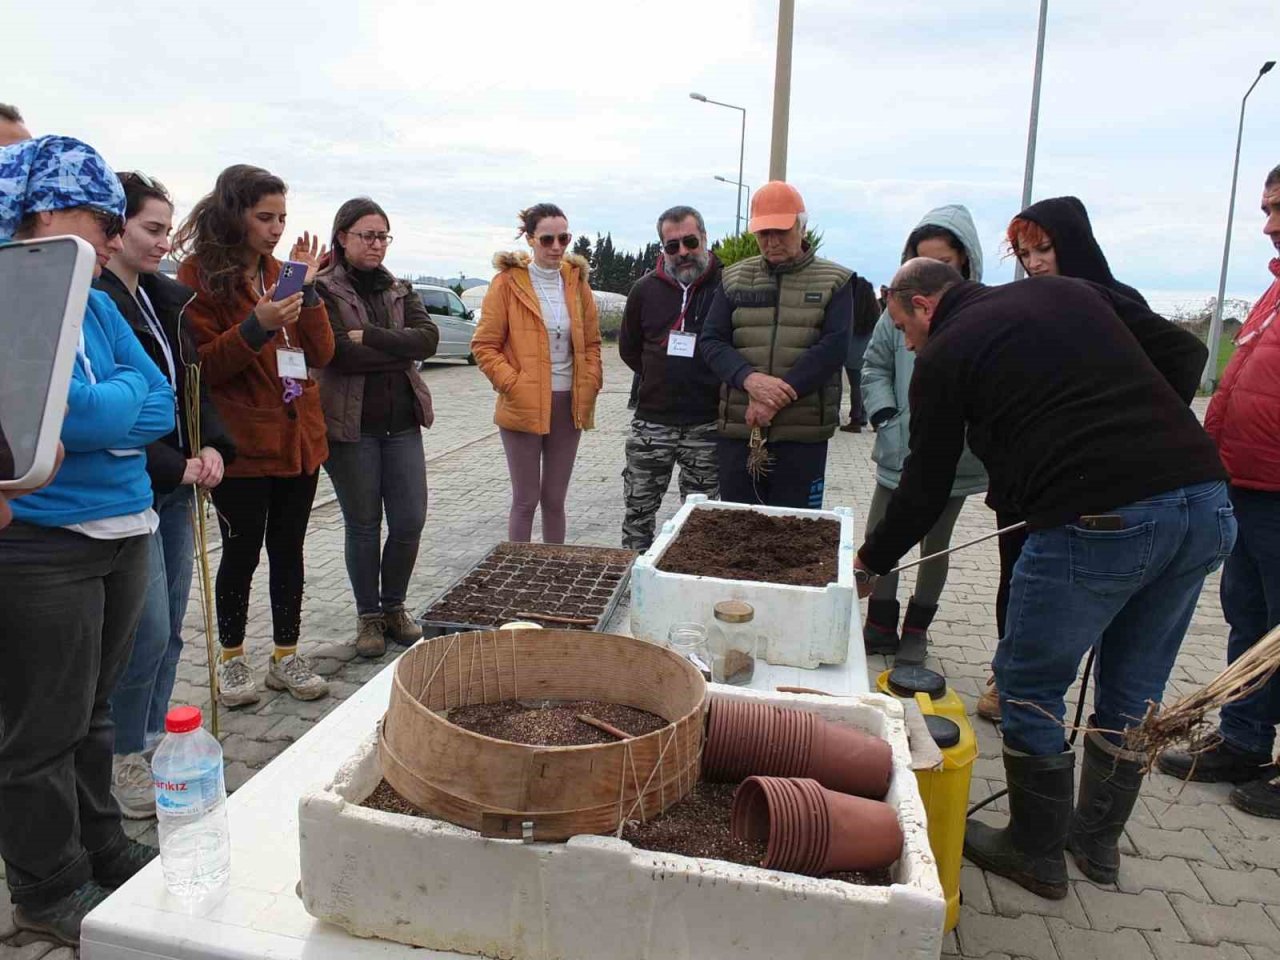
[945, 791]
[906, 683]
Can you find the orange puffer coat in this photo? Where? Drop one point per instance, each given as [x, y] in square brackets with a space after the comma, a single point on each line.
[512, 348]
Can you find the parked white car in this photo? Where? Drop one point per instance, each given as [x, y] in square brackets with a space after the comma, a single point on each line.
[457, 322]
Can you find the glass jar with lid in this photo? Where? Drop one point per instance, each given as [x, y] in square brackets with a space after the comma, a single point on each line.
[733, 642]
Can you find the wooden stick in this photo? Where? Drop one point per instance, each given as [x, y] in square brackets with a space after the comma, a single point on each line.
[820, 693]
[608, 728]
[553, 618]
[198, 507]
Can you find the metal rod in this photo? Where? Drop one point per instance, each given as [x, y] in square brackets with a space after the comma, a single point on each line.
[742, 153]
[1033, 126]
[961, 546]
[1209, 377]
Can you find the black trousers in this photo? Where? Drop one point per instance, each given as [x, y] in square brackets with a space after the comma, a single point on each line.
[251, 510]
[795, 478]
[1010, 550]
[69, 606]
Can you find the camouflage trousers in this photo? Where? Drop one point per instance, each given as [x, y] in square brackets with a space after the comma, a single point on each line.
[653, 449]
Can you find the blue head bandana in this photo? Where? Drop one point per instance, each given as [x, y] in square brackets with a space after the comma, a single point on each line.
[54, 173]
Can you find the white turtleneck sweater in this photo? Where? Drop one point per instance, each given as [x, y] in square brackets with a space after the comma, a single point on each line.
[549, 286]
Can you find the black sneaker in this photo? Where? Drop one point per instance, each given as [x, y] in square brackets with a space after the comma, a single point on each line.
[61, 919]
[123, 864]
[1259, 797]
[1218, 762]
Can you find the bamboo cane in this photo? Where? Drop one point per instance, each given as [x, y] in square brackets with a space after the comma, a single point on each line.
[199, 507]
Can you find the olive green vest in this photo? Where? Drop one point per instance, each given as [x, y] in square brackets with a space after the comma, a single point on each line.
[777, 316]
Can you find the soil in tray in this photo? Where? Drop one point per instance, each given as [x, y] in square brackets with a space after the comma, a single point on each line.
[697, 826]
[745, 545]
[553, 722]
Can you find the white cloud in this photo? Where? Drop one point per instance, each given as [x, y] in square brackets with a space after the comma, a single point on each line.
[455, 115]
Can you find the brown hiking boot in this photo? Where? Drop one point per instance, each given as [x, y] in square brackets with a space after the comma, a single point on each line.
[401, 628]
[989, 701]
[370, 641]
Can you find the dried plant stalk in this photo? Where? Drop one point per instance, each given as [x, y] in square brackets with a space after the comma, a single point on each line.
[1186, 721]
[199, 509]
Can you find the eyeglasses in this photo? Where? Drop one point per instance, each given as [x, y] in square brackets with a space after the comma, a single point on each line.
[690, 242]
[112, 224]
[549, 240]
[370, 237]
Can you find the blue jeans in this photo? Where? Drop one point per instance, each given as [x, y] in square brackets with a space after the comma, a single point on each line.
[141, 697]
[372, 472]
[1127, 593]
[1251, 604]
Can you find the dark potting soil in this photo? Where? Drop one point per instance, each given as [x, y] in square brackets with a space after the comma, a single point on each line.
[553, 722]
[745, 545]
[699, 826]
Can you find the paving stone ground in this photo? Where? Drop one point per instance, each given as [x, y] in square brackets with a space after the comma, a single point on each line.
[1199, 879]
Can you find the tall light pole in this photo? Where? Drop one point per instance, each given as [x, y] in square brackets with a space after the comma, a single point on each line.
[1033, 126]
[1209, 380]
[740, 184]
[742, 149]
[781, 92]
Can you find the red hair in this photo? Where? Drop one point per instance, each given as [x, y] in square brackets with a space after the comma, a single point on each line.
[1023, 234]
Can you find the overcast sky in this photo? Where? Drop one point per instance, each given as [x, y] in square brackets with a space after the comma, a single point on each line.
[454, 115]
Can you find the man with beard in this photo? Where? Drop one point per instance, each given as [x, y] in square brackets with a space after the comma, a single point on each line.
[675, 420]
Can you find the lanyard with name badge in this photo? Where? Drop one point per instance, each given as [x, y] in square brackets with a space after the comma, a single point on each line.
[291, 362]
[679, 343]
[153, 324]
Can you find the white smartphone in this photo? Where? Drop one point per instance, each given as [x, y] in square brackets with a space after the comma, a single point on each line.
[44, 286]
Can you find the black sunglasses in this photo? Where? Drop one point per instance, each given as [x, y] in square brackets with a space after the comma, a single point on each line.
[112, 224]
[691, 242]
[548, 240]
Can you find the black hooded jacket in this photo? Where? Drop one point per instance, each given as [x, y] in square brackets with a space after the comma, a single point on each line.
[167, 458]
[1066, 222]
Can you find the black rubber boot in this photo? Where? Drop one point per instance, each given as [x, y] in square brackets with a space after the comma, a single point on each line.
[880, 632]
[1029, 851]
[1216, 762]
[1110, 779]
[914, 646]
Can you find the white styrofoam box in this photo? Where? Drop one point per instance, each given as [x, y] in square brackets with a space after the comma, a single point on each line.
[801, 626]
[433, 884]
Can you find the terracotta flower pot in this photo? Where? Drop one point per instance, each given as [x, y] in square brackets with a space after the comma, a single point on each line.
[862, 834]
[850, 761]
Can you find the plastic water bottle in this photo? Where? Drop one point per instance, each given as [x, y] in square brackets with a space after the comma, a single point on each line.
[191, 806]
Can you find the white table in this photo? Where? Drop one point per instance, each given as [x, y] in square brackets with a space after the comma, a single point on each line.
[261, 914]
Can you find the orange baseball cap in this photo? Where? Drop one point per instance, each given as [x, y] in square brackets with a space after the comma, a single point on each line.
[774, 207]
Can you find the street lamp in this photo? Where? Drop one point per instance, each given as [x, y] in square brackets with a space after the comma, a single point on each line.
[1208, 381]
[742, 149]
[745, 186]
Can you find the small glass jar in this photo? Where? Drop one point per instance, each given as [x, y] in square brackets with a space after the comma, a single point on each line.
[689, 639]
[734, 642]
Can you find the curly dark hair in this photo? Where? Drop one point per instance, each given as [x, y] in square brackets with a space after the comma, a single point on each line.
[213, 232]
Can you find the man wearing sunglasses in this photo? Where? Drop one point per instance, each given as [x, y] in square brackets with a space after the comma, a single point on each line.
[777, 336]
[675, 419]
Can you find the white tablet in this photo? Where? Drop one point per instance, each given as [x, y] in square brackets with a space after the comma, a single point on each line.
[44, 286]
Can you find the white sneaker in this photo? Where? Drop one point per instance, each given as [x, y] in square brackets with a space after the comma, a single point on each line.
[294, 674]
[236, 686]
[132, 786]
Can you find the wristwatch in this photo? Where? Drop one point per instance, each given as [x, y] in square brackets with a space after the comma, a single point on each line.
[864, 576]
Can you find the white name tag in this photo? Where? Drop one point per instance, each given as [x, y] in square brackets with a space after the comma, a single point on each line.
[681, 344]
[291, 362]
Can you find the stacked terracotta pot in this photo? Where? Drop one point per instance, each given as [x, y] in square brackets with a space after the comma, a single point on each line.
[811, 788]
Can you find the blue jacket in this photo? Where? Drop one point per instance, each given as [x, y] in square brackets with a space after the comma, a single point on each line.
[126, 404]
[887, 366]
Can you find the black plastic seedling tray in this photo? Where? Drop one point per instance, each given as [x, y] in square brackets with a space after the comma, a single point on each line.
[514, 580]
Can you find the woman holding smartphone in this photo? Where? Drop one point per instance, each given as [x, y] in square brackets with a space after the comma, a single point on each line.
[538, 342]
[153, 305]
[376, 407]
[73, 570]
[256, 353]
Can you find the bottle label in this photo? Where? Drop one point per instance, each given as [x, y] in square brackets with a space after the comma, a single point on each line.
[192, 795]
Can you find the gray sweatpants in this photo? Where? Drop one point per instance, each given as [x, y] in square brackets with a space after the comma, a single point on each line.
[931, 577]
